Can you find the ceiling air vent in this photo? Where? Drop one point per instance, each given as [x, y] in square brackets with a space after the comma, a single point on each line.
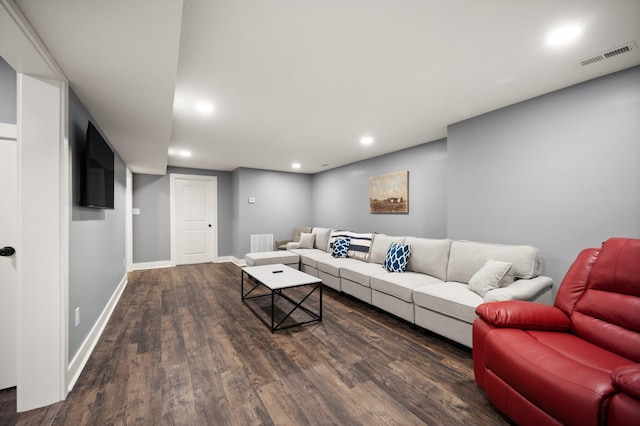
[607, 54]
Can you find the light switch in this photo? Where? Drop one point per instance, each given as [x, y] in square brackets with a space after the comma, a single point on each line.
[135, 211]
[252, 200]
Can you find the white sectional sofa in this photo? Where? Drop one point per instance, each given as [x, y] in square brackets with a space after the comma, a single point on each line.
[433, 292]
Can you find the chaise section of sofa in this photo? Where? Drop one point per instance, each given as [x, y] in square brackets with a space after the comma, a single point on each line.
[270, 257]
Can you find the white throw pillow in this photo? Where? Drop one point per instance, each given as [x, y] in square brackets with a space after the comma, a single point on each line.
[306, 241]
[489, 276]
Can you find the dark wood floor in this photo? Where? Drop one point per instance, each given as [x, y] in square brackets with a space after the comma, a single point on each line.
[182, 349]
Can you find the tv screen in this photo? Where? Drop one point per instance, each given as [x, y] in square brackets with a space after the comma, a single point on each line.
[97, 176]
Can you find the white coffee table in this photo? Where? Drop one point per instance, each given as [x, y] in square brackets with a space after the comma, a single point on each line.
[278, 280]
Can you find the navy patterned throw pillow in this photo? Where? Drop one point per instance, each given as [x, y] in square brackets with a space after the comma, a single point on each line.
[341, 247]
[397, 257]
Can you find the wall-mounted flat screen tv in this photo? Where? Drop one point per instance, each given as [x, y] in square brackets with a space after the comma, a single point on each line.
[97, 174]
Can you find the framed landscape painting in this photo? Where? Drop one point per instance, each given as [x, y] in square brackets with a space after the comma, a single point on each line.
[389, 193]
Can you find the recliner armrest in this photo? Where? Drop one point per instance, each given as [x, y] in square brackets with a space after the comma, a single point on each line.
[523, 315]
[627, 379]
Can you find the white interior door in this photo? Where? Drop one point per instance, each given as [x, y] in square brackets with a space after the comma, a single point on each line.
[194, 218]
[8, 264]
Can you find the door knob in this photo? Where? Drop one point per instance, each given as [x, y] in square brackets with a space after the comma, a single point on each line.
[7, 251]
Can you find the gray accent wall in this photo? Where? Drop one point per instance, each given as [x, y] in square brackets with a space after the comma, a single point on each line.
[341, 195]
[560, 172]
[8, 94]
[282, 203]
[96, 238]
[152, 227]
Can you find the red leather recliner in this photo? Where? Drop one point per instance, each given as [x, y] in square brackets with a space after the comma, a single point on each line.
[574, 363]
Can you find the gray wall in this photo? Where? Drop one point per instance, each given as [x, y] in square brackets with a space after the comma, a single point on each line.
[283, 202]
[152, 228]
[559, 172]
[341, 195]
[96, 238]
[8, 94]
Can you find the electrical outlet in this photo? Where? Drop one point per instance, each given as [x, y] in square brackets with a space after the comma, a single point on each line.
[77, 316]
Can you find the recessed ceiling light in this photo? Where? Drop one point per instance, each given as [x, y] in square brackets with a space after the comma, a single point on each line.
[204, 107]
[564, 35]
[179, 152]
[295, 165]
[366, 140]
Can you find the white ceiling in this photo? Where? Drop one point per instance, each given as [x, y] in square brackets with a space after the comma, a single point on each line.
[304, 80]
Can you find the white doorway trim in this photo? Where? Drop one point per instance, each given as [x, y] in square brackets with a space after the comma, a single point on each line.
[43, 227]
[128, 221]
[9, 236]
[172, 213]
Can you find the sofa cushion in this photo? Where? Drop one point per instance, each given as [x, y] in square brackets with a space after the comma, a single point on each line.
[361, 272]
[401, 285]
[322, 238]
[340, 247]
[467, 257]
[333, 265]
[489, 276]
[380, 246]
[450, 298]
[397, 257]
[429, 256]
[310, 256]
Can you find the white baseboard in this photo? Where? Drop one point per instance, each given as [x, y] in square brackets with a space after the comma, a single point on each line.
[170, 264]
[80, 360]
[152, 265]
[238, 262]
[232, 259]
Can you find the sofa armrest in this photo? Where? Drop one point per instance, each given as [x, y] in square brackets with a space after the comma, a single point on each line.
[523, 315]
[523, 289]
[279, 243]
[627, 379]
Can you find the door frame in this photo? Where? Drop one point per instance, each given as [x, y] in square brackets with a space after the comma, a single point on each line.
[9, 132]
[172, 213]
